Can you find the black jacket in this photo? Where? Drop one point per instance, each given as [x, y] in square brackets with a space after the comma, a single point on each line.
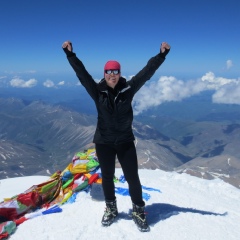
[114, 106]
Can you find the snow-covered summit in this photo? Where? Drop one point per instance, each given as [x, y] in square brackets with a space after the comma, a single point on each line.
[185, 208]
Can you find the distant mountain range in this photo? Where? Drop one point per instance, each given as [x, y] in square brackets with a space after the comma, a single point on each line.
[40, 138]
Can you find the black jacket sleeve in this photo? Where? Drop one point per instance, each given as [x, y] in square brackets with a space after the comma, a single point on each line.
[147, 72]
[84, 77]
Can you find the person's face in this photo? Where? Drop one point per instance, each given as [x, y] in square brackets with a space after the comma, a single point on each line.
[112, 77]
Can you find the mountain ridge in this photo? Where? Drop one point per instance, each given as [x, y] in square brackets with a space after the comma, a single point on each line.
[47, 136]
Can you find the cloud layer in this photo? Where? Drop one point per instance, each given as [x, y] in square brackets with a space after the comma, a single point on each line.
[168, 89]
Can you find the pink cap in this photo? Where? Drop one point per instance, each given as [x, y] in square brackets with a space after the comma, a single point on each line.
[113, 65]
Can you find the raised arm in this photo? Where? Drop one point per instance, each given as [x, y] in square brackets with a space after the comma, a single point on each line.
[84, 77]
[152, 65]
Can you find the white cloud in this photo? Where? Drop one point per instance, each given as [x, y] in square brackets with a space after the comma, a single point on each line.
[128, 77]
[17, 82]
[228, 94]
[48, 83]
[171, 89]
[214, 82]
[229, 64]
[2, 77]
[95, 79]
[30, 71]
[61, 83]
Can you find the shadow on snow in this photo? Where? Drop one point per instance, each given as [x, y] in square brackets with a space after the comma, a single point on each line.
[161, 211]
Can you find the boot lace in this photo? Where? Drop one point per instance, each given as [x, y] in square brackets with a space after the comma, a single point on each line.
[140, 216]
[108, 212]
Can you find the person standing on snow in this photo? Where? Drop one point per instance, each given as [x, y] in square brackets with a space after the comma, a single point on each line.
[113, 137]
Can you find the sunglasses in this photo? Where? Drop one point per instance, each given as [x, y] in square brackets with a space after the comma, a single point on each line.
[115, 71]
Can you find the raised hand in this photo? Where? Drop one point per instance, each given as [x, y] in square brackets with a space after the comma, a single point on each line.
[164, 46]
[68, 45]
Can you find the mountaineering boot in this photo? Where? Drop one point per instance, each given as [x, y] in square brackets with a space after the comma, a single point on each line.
[139, 218]
[110, 213]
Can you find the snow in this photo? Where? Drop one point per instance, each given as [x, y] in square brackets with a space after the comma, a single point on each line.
[185, 208]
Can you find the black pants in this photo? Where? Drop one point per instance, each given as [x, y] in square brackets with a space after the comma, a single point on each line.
[127, 157]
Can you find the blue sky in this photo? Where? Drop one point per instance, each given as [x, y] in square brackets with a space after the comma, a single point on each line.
[204, 36]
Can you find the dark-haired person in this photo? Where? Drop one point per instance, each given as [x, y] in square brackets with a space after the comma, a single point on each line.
[114, 137]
